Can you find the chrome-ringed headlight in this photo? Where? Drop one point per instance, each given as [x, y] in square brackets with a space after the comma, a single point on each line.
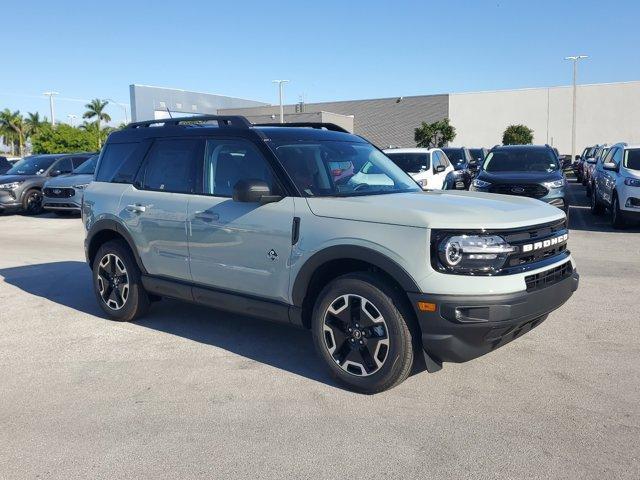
[470, 254]
[555, 184]
[632, 182]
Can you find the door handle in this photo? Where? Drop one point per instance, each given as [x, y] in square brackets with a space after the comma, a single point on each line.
[136, 208]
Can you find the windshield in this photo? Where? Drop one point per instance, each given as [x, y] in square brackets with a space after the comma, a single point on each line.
[521, 160]
[410, 162]
[312, 167]
[477, 153]
[455, 155]
[632, 159]
[88, 167]
[35, 165]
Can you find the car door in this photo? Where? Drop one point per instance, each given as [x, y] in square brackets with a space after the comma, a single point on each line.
[239, 246]
[609, 177]
[155, 210]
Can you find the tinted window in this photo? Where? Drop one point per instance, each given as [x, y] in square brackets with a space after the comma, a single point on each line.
[477, 154]
[308, 165]
[229, 161]
[410, 162]
[64, 166]
[521, 160]
[88, 167]
[35, 165]
[444, 160]
[77, 161]
[171, 165]
[632, 159]
[455, 155]
[118, 163]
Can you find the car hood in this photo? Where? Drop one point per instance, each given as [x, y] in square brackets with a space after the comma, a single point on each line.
[69, 181]
[520, 177]
[439, 209]
[17, 178]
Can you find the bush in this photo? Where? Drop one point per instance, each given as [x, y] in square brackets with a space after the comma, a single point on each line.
[62, 138]
[517, 135]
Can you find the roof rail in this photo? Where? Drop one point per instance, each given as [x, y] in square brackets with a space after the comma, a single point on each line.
[319, 125]
[223, 120]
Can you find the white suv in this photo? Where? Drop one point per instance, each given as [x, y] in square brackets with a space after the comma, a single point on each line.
[616, 184]
[428, 166]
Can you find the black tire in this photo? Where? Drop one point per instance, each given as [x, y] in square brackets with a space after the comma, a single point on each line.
[32, 202]
[387, 328]
[617, 220]
[136, 301]
[589, 190]
[596, 206]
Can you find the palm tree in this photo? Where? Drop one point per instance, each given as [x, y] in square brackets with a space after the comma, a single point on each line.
[95, 109]
[33, 123]
[14, 129]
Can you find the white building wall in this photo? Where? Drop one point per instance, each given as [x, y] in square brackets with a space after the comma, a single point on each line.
[606, 113]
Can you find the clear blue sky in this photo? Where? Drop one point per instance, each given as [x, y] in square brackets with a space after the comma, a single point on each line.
[330, 50]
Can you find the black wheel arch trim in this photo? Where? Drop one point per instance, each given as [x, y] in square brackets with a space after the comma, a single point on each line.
[349, 252]
[114, 226]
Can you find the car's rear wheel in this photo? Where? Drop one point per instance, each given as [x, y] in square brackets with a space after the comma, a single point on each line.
[361, 330]
[589, 189]
[617, 220]
[32, 202]
[117, 282]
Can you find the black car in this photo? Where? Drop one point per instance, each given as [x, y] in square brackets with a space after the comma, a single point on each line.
[5, 165]
[21, 186]
[525, 170]
[477, 157]
[463, 163]
[578, 165]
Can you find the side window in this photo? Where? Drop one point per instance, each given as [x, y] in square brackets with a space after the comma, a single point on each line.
[77, 161]
[444, 160]
[118, 162]
[435, 160]
[171, 165]
[617, 156]
[229, 161]
[608, 156]
[63, 166]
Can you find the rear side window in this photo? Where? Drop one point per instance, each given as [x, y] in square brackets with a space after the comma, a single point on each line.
[172, 165]
[118, 163]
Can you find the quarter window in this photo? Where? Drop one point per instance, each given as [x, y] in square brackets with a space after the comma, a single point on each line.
[171, 165]
[117, 163]
[229, 161]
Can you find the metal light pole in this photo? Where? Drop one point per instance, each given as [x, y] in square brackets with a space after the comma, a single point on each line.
[575, 59]
[51, 109]
[123, 106]
[281, 93]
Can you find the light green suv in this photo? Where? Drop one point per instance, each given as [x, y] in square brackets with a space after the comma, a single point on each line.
[256, 219]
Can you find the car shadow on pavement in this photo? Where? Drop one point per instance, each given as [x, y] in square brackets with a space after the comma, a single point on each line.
[285, 347]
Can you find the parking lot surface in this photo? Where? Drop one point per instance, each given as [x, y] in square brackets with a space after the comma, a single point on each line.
[190, 392]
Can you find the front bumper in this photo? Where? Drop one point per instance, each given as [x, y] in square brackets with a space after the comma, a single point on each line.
[9, 201]
[464, 327]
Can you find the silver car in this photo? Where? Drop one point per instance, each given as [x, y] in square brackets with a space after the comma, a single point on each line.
[63, 195]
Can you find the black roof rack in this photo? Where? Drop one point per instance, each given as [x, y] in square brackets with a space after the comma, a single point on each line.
[223, 120]
[319, 125]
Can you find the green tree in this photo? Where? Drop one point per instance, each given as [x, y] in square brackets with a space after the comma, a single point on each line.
[13, 129]
[95, 109]
[62, 139]
[33, 123]
[517, 135]
[436, 134]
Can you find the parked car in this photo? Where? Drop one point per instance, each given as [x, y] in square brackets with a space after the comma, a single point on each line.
[5, 165]
[463, 162]
[477, 157]
[616, 184]
[63, 195]
[21, 186]
[524, 170]
[590, 165]
[247, 218]
[428, 167]
[578, 166]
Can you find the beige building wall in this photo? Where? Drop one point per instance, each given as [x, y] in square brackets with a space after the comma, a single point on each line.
[606, 113]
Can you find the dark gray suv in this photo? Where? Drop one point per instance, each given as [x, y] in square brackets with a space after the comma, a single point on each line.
[21, 186]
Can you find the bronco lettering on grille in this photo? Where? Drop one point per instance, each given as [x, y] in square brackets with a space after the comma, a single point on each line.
[530, 247]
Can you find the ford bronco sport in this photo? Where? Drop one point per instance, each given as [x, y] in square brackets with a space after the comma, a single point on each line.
[250, 219]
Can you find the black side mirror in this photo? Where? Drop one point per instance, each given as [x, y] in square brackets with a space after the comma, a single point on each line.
[439, 169]
[253, 191]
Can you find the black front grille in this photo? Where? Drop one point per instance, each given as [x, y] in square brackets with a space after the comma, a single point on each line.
[537, 243]
[59, 192]
[549, 277]
[532, 190]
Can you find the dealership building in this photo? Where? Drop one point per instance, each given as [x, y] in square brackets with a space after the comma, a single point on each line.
[606, 113]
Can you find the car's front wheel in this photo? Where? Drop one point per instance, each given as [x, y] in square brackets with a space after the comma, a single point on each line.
[117, 282]
[361, 330]
[596, 206]
[32, 202]
[617, 220]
